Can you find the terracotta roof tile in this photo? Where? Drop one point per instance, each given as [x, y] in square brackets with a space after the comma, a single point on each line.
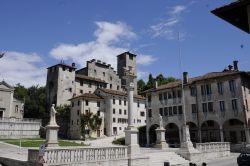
[80, 76]
[88, 96]
[120, 93]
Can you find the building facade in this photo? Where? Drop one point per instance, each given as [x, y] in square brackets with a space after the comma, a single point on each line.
[216, 107]
[9, 106]
[101, 87]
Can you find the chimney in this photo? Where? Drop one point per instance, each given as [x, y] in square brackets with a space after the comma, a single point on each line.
[73, 64]
[156, 84]
[236, 65]
[185, 77]
[230, 67]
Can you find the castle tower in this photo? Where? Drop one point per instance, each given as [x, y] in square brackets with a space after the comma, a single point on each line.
[126, 60]
[60, 85]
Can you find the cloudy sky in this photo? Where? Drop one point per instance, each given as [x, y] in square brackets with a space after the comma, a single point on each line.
[38, 34]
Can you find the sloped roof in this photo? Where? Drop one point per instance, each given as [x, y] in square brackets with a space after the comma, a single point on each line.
[6, 85]
[119, 93]
[84, 77]
[208, 76]
[63, 64]
[87, 96]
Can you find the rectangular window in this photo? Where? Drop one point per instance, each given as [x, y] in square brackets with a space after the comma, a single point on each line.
[160, 96]
[125, 102]
[166, 111]
[150, 113]
[113, 111]
[149, 98]
[81, 83]
[142, 113]
[203, 91]
[113, 101]
[220, 87]
[180, 109]
[179, 93]
[90, 85]
[210, 107]
[204, 107]
[232, 85]
[98, 113]
[194, 108]
[192, 91]
[234, 104]
[169, 95]
[113, 119]
[110, 86]
[98, 104]
[165, 95]
[72, 104]
[87, 102]
[138, 103]
[222, 106]
[78, 112]
[16, 109]
[161, 111]
[78, 103]
[120, 111]
[174, 94]
[120, 101]
[170, 113]
[81, 91]
[208, 89]
[125, 112]
[174, 110]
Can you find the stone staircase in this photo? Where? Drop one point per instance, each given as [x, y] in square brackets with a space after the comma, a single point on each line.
[158, 157]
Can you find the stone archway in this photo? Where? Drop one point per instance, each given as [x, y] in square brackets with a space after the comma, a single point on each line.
[210, 131]
[152, 134]
[233, 130]
[193, 129]
[172, 135]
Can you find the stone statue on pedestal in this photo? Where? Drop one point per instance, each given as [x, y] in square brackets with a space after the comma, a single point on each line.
[160, 121]
[53, 115]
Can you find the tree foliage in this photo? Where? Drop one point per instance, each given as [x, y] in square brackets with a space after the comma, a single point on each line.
[142, 86]
[91, 122]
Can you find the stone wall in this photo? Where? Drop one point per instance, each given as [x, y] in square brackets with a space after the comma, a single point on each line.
[16, 128]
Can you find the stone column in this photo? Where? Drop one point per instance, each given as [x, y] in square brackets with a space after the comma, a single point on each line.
[221, 134]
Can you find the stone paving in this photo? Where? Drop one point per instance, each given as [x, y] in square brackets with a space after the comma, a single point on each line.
[13, 152]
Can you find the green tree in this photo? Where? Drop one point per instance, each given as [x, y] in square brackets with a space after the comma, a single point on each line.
[140, 86]
[90, 122]
[63, 120]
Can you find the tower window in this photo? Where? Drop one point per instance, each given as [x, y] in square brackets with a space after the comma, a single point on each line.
[131, 57]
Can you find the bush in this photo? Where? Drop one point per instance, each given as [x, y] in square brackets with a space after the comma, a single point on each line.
[119, 141]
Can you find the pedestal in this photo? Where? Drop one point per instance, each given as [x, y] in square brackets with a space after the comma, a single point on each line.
[160, 142]
[52, 136]
[131, 140]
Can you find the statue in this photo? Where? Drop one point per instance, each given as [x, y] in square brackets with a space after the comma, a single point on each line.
[53, 115]
[160, 121]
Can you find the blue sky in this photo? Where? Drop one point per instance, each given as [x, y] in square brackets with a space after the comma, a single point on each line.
[38, 34]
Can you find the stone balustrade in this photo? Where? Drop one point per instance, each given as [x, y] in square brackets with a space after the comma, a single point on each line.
[20, 120]
[77, 155]
[213, 147]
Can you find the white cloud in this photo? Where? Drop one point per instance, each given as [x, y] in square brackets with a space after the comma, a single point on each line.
[142, 75]
[167, 27]
[105, 47]
[145, 59]
[16, 67]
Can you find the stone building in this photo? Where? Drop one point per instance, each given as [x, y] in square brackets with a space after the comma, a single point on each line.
[216, 106]
[99, 85]
[9, 106]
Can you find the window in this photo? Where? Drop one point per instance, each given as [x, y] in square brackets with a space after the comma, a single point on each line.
[120, 111]
[113, 119]
[160, 96]
[174, 110]
[113, 101]
[149, 98]
[174, 94]
[113, 111]
[70, 89]
[131, 57]
[165, 95]
[86, 102]
[220, 87]
[16, 109]
[234, 104]
[179, 93]
[81, 91]
[63, 68]
[194, 108]
[103, 73]
[169, 95]
[81, 83]
[142, 113]
[118, 87]
[72, 104]
[125, 112]
[204, 107]
[78, 112]
[120, 101]
[110, 86]
[161, 111]
[166, 111]
[180, 109]
[95, 71]
[138, 103]
[98, 104]
[98, 113]
[78, 103]
[125, 102]
[208, 89]
[170, 113]
[203, 90]
[150, 113]
[192, 91]
[232, 85]
[222, 106]
[210, 107]
[90, 85]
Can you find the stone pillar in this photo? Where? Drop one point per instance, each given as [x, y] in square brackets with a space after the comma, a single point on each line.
[160, 141]
[147, 134]
[221, 134]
